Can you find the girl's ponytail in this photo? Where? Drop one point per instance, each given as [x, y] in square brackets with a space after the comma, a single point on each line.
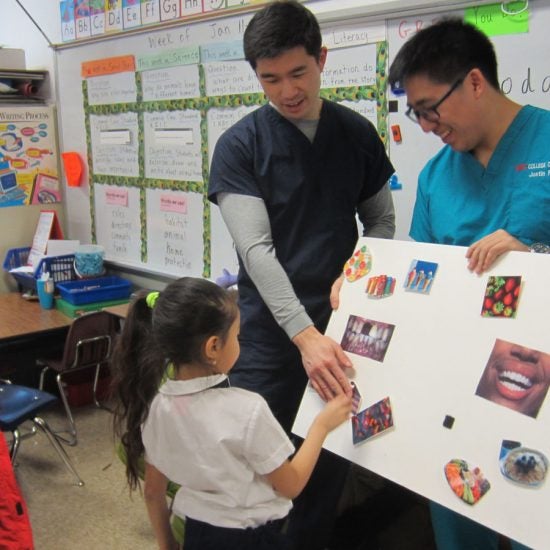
[138, 366]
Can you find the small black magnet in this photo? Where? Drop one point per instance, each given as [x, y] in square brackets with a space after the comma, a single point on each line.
[448, 422]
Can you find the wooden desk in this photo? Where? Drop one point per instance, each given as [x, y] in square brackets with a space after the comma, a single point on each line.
[120, 311]
[21, 318]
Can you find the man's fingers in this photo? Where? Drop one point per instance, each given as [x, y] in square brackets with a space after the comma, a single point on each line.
[322, 389]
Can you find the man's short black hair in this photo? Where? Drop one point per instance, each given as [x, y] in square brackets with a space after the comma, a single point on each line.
[444, 52]
[279, 27]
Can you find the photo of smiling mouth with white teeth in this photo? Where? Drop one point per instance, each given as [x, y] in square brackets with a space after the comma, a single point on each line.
[516, 377]
[515, 381]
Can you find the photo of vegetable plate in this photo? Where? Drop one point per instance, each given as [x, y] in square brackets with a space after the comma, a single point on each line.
[501, 296]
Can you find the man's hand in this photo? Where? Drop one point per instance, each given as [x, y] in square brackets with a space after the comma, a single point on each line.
[483, 253]
[335, 292]
[325, 363]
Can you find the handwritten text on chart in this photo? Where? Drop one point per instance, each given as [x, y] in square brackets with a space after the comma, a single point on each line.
[169, 58]
[115, 160]
[343, 69]
[116, 197]
[117, 225]
[198, 33]
[171, 83]
[345, 36]
[110, 89]
[531, 83]
[171, 203]
[173, 160]
[219, 119]
[230, 77]
[175, 226]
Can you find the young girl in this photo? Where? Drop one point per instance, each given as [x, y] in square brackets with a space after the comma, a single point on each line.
[222, 445]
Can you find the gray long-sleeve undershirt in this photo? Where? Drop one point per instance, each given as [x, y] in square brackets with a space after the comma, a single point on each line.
[254, 243]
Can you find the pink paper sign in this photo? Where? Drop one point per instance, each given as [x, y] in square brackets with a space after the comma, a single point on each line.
[117, 197]
[171, 203]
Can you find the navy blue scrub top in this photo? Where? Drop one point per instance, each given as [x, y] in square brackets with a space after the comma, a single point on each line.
[311, 192]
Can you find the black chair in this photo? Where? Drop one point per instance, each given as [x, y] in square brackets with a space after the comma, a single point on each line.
[88, 346]
[19, 404]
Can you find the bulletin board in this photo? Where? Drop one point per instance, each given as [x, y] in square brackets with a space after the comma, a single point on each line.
[146, 110]
[431, 349]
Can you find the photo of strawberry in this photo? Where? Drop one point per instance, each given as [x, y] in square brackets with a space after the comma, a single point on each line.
[501, 296]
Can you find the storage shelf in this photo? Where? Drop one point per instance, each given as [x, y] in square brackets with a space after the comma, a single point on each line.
[20, 77]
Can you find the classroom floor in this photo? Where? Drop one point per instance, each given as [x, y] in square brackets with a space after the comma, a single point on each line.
[102, 515]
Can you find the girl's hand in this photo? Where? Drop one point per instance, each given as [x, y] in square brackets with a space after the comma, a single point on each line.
[336, 411]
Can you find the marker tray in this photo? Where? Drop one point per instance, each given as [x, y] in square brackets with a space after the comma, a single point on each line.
[60, 268]
[101, 289]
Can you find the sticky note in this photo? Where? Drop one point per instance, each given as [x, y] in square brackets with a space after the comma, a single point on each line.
[493, 21]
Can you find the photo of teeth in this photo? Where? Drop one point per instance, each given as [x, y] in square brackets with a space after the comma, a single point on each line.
[516, 377]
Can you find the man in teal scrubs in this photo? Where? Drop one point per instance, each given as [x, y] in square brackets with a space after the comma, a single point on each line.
[489, 186]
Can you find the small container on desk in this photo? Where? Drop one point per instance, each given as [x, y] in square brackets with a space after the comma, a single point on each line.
[76, 310]
[87, 291]
[60, 268]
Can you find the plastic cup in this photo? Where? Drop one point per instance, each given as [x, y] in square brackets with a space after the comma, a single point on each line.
[45, 293]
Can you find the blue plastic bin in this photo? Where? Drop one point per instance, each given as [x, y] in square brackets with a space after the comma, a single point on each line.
[60, 268]
[101, 289]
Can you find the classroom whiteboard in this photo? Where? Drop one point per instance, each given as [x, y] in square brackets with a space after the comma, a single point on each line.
[434, 357]
[146, 111]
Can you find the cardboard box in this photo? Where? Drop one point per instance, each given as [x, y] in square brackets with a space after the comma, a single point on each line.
[12, 58]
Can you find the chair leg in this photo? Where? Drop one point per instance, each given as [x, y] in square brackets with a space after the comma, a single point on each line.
[96, 382]
[42, 376]
[15, 444]
[72, 439]
[42, 424]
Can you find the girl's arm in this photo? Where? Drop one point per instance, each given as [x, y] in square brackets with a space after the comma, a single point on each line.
[291, 477]
[157, 507]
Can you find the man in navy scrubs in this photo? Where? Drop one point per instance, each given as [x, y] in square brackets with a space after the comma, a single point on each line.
[290, 179]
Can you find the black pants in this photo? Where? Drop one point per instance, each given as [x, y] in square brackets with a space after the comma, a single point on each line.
[203, 536]
[281, 379]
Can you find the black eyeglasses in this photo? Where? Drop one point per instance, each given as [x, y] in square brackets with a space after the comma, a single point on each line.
[431, 114]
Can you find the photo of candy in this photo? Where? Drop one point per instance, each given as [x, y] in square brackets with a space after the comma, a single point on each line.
[522, 465]
[358, 265]
[372, 421]
[467, 484]
[380, 286]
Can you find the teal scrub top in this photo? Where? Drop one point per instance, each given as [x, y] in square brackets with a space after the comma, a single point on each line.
[459, 201]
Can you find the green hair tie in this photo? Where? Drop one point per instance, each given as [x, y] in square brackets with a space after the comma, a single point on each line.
[151, 299]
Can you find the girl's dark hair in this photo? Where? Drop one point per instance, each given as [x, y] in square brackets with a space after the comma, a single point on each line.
[279, 27]
[444, 52]
[186, 313]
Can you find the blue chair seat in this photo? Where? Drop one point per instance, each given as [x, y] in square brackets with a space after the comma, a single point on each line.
[19, 404]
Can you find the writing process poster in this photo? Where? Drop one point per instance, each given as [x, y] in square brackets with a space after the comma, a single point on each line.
[28, 156]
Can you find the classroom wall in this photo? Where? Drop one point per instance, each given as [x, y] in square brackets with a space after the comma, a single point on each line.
[17, 223]
[18, 31]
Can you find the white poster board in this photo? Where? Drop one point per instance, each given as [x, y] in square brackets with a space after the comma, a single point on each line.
[432, 366]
